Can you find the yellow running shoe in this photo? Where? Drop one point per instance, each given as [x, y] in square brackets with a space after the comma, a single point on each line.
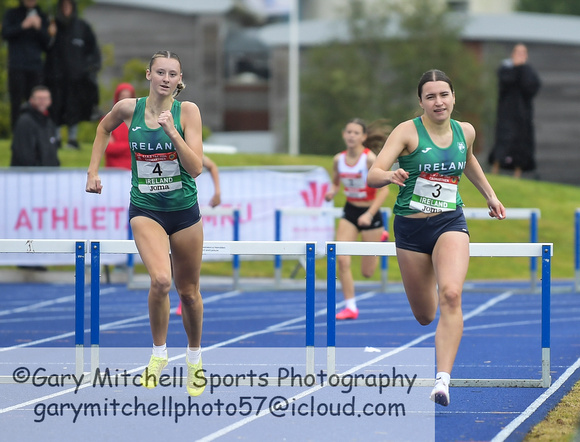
[195, 378]
[150, 377]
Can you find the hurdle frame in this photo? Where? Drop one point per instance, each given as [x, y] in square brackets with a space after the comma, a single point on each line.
[78, 249]
[544, 251]
[532, 214]
[577, 249]
[336, 212]
[290, 248]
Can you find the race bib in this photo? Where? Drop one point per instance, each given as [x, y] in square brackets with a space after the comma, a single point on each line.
[158, 172]
[354, 185]
[434, 193]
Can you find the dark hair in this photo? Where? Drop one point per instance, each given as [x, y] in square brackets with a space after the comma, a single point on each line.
[168, 54]
[358, 121]
[433, 75]
[40, 87]
[378, 132]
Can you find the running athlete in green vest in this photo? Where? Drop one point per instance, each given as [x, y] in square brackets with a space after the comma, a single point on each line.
[167, 154]
[431, 236]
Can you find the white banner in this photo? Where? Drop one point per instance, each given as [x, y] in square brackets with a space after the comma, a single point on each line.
[39, 203]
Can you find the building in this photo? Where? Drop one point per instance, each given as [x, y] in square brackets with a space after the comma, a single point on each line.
[238, 75]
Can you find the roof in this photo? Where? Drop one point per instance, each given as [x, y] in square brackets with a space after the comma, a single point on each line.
[516, 26]
[188, 7]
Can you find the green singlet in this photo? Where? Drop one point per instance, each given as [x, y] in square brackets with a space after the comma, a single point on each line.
[159, 181]
[434, 174]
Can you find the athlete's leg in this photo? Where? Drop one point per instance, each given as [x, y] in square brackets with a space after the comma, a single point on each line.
[346, 231]
[450, 262]
[369, 263]
[186, 253]
[419, 281]
[153, 245]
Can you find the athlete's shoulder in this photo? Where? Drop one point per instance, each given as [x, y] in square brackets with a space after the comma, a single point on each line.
[124, 108]
[468, 130]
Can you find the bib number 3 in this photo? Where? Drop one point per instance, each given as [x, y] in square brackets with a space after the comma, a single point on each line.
[434, 193]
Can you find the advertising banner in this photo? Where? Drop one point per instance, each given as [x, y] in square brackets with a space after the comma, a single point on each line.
[52, 204]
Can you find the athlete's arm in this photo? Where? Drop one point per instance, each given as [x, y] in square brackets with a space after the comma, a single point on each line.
[122, 111]
[335, 180]
[474, 173]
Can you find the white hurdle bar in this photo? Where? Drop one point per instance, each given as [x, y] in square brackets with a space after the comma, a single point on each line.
[289, 248]
[205, 211]
[335, 212]
[514, 213]
[76, 247]
[544, 251]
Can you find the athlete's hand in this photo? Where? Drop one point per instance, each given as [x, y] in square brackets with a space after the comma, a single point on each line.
[365, 219]
[93, 184]
[496, 209]
[165, 120]
[399, 177]
[329, 195]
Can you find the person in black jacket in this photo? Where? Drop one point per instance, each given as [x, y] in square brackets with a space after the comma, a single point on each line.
[25, 29]
[519, 83]
[72, 63]
[34, 142]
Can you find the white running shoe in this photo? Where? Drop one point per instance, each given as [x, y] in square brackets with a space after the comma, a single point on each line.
[440, 393]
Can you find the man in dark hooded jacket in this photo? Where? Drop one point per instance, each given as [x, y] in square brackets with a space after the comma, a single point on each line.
[34, 142]
[72, 63]
[519, 83]
[25, 29]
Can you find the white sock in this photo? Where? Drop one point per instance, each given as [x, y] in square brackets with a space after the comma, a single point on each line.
[445, 377]
[351, 304]
[193, 355]
[160, 351]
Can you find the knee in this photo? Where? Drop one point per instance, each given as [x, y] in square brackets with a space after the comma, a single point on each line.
[190, 297]
[424, 319]
[160, 284]
[450, 298]
[367, 273]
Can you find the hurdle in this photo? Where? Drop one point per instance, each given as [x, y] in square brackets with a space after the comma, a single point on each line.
[287, 248]
[577, 249]
[514, 213]
[76, 247]
[544, 251]
[206, 211]
[336, 212]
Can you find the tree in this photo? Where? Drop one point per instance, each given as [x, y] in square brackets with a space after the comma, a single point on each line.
[551, 7]
[374, 74]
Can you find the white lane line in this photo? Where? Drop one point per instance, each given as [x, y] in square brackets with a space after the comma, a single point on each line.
[111, 325]
[247, 420]
[513, 425]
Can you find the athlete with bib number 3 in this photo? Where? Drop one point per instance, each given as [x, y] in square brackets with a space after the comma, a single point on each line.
[431, 234]
[167, 151]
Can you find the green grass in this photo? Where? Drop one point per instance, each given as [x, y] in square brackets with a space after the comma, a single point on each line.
[557, 203]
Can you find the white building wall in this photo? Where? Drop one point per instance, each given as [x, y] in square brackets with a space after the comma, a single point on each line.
[329, 9]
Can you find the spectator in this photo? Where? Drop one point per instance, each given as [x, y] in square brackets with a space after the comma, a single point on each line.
[72, 63]
[514, 138]
[25, 28]
[34, 142]
[118, 153]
